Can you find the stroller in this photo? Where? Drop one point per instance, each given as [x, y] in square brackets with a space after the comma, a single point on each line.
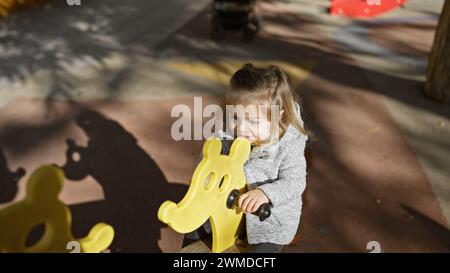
[234, 15]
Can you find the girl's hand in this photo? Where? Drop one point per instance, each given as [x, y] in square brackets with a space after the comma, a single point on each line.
[250, 201]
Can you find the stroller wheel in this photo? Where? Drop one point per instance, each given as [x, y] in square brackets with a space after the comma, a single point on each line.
[255, 23]
[218, 33]
[248, 34]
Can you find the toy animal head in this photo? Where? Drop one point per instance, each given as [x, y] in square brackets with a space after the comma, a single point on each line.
[214, 178]
[42, 206]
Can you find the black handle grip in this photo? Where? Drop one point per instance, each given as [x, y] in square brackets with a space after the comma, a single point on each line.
[263, 212]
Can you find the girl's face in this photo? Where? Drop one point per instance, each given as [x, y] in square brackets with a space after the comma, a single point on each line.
[253, 124]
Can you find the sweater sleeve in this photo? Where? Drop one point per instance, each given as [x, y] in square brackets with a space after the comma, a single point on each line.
[291, 180]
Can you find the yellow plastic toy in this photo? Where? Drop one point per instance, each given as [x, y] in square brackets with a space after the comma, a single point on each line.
[42, 206]
[213, 180]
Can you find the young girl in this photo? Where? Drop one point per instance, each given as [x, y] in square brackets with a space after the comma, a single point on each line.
[276, 168]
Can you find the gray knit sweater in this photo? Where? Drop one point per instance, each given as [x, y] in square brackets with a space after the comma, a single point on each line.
[279, 170]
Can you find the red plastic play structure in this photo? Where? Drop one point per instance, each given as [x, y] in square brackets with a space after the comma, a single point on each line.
[363, 8]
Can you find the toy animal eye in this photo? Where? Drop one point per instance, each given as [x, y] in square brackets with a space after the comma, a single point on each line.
[35, 235]
[209, 181]
[224, 182]
[76, 157]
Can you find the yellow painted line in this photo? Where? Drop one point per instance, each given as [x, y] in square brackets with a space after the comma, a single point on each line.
[9, 6]
[221, 72]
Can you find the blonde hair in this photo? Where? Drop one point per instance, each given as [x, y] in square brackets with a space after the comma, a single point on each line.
[265, 86]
